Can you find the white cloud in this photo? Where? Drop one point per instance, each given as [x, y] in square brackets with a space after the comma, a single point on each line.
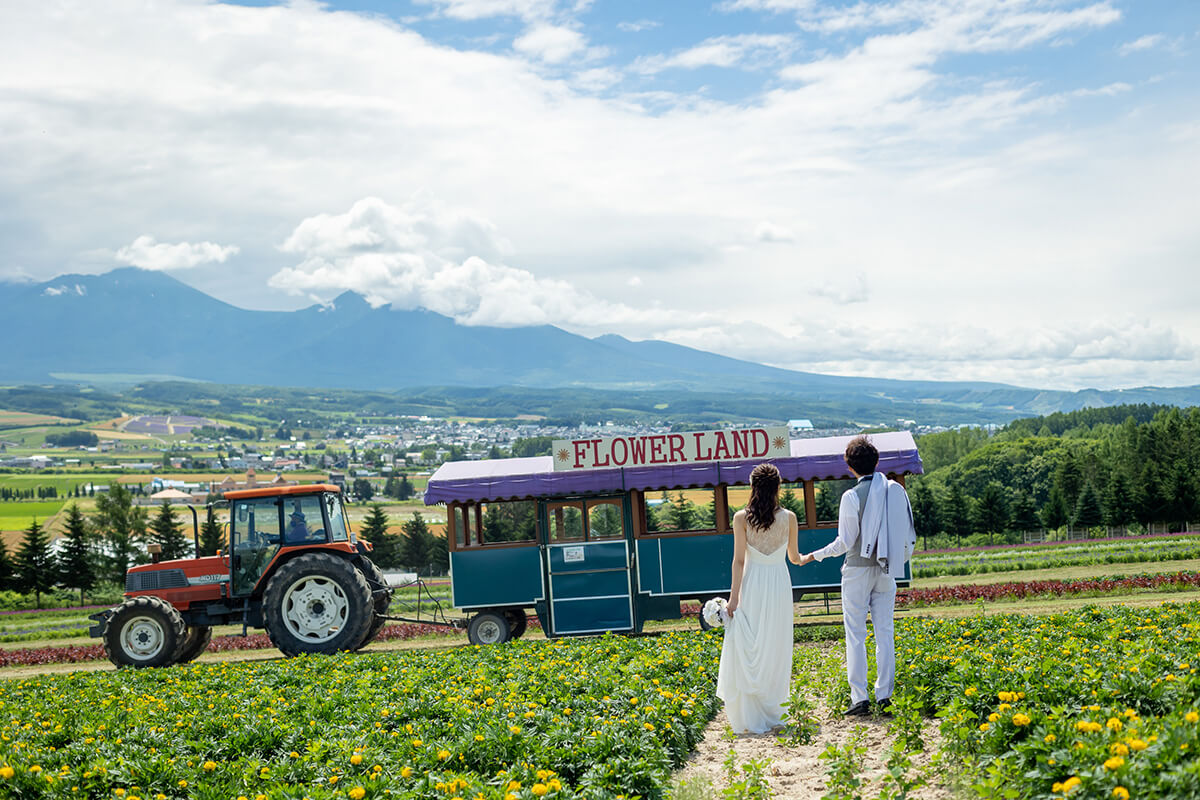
[636, 26]
[597, 79]
[146, 253]
[770, 232]
[56, 291]
[553, 44]
[422, 255]
[749, 51]
[483, 9]
[1147, 42]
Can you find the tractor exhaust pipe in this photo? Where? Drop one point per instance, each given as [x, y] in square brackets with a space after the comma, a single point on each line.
[195, 528]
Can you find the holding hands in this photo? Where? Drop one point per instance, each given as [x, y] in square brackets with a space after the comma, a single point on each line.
[805, 559]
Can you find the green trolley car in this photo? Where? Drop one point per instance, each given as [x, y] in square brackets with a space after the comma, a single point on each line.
[605, 549]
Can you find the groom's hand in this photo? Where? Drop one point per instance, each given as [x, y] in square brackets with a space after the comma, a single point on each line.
[806, 559]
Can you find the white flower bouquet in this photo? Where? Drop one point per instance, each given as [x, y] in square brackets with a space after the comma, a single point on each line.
[715, 613]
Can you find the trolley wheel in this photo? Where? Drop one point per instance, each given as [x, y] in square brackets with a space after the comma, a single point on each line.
[317, 603]
[518, 621]
[381, 600]
[195, 641]
[143, 632]
[488, 627]
[704, 626]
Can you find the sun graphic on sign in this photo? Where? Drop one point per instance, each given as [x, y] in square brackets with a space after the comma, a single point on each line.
[779, 443]
[563, 455]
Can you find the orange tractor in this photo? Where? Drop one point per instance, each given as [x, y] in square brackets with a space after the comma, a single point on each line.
[292, 566]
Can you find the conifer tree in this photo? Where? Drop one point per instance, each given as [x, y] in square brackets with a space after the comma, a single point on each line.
[418, 542]
[212, 536]
[120, 524]
[1118, 502]
[7, 574]
[76, 569]
[167, 533]
[35, 567]
[387, 547]
[794, 504]
[1087, 508]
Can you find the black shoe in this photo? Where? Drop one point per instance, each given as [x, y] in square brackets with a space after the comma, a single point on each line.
[885, 707]
[858, 709]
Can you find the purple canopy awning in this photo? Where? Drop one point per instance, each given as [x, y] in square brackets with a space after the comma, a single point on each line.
[520, 478]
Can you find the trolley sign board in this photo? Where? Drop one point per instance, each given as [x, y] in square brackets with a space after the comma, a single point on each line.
[671, 448]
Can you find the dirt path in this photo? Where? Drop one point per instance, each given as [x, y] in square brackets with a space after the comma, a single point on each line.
[798, 772]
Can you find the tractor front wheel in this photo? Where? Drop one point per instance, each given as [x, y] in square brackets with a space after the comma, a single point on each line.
[195, 641]
[317, 603]
[143, 632]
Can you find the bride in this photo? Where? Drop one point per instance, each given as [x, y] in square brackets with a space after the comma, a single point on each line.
[756, 656]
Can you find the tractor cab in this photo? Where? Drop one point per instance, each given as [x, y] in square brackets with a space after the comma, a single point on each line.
[265, 521]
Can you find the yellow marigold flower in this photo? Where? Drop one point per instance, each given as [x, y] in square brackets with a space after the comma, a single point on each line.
[1116, 762]
[1114, 724]
[1137, 745]
[648, 726]
[993, 717]
[183, 784]
[1119, 749]
[984, 727]
[539, 789]
[1050, 737]
[1020, 720]
[513, 786]
[7, 772]
[555, 784]
[443, 755]
[971, 691]
[357, 793]
[1192, 716]
[1004, 707]
[406, 772]
[417, 743]
[1070, 783]
[294, 754]
[119, 792]
[1121, 793]
[356, 759]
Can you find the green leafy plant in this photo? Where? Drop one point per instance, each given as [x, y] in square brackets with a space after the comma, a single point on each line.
[749, 782]
[845, 766]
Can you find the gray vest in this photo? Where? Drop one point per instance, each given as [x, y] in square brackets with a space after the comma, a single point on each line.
[853, 557]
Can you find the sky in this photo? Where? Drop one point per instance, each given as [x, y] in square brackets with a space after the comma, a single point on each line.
[1000, 190]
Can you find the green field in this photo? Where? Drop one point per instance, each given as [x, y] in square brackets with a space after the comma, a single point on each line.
[15, 516]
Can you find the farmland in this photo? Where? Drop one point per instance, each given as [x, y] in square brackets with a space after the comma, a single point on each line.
[18, 515]
[565, 718]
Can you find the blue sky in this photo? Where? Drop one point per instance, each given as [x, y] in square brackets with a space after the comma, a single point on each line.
[943, 189]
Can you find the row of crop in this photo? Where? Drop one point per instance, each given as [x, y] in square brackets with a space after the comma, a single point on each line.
[1019, 590]
[1125, 552]
[1096, 702]
[73, 654]
[560, 719]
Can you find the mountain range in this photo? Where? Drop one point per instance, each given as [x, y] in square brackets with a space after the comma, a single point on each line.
[141, 325]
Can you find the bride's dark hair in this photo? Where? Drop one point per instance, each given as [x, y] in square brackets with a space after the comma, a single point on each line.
[764, 496]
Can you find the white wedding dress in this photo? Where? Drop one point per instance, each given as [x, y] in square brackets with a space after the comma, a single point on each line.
[756, 656]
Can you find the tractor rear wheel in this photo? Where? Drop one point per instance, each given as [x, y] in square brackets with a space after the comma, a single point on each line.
[317, 603]
[143, 632]
[195, 641]
[381, 599]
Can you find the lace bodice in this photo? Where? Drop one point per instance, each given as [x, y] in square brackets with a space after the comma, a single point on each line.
[773, 538]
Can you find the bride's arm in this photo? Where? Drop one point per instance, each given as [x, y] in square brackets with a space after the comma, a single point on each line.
[793, 553]
[739, 560]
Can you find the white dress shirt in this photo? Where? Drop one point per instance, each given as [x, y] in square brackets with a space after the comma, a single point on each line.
[847, 528]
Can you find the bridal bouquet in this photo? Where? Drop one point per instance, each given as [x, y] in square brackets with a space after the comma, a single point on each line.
[714, 612]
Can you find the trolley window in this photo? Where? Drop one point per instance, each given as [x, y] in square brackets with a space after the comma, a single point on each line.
[510, 522]
[682, 510]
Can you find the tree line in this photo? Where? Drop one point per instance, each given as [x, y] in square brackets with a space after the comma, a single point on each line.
[416, 548]
[1123, 467]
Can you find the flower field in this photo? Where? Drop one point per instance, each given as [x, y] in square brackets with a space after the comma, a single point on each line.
[1018, 590]
[558, 719]
[1051, 555]
[1098, 703]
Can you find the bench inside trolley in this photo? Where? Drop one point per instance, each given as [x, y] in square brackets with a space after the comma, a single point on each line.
[611, 549]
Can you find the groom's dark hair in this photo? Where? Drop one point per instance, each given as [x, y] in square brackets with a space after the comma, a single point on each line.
[861, 455]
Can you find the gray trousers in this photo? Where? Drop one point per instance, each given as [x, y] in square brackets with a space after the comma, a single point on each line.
[863, 589]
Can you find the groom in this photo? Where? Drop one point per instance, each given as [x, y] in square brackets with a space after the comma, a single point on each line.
[875, 531]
